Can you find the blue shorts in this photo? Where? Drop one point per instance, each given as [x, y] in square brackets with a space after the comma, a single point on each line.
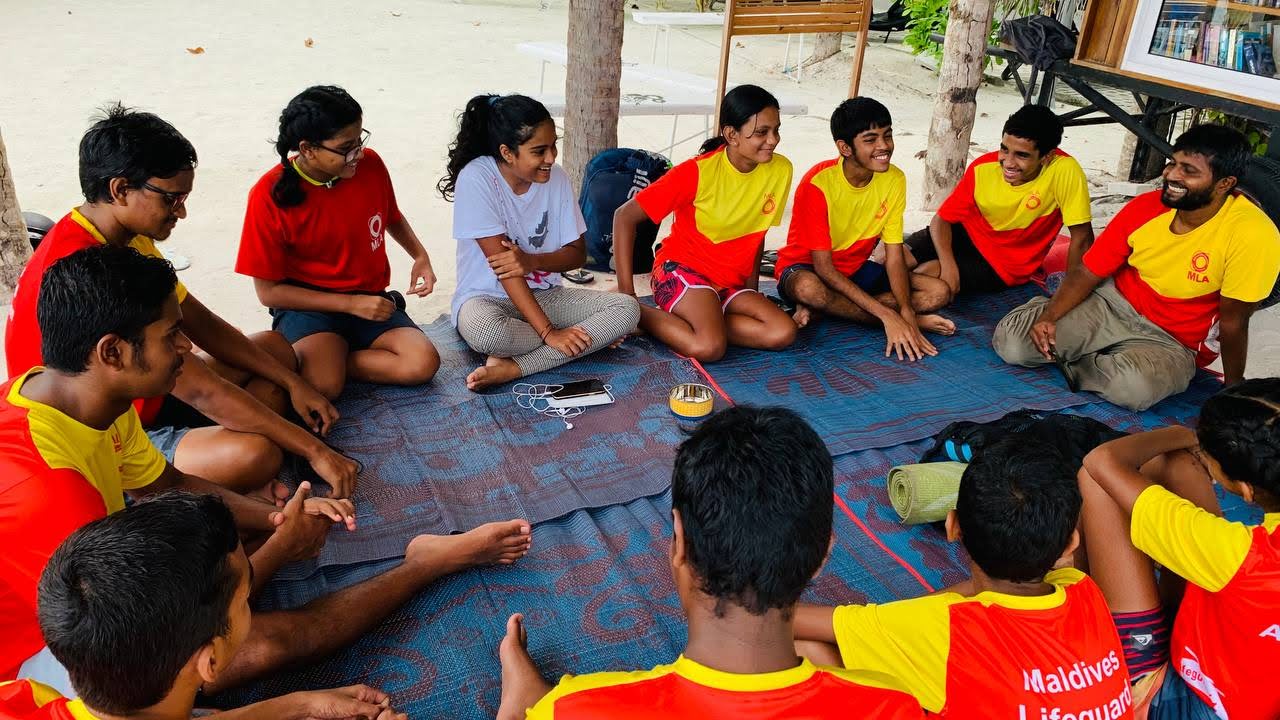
[871, 277]
[358, 332]
[1175, 700]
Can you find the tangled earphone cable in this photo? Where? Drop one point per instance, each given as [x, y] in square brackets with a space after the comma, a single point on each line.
[534, 397]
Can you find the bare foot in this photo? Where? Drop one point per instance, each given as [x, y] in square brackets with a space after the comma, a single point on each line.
[500, 543]
[522, 684]
[803, 315]
[936, 324]
[274, 492]
[495, 371]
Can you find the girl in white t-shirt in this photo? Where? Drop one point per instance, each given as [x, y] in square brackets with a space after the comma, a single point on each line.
[518, 226]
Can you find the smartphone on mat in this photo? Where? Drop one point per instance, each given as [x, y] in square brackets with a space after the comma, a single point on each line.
[580, 393]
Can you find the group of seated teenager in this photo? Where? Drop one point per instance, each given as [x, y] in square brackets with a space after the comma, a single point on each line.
[108, 396]
[1168, 286]
[148, 607]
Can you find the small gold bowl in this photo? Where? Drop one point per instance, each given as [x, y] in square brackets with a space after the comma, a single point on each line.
[691, 401]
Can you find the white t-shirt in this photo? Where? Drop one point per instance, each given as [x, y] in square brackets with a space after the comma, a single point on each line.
[542, 220]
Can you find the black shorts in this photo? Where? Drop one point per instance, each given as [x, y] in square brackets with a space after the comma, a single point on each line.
[976, 274]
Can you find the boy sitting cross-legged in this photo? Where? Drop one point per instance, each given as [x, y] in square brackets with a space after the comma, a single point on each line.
[844, 207]
[751, 504]
[1025, 638]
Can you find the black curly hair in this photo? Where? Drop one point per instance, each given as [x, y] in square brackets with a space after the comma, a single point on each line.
[314, 115]
[1240, 428]
[488, 123]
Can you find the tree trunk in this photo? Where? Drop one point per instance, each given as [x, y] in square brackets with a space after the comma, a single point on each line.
[591, 82]
[825, 45]
[14, 246]
[963, 56]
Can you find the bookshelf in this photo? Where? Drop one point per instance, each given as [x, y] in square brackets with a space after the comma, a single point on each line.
[1226, 48]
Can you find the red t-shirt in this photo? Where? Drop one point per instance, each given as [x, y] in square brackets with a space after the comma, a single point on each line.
[830, 215]
[1013, 227]
[29, 700]
[721, 214]
[22, 333]
[56, 475]
[1226, 637]
[995, 655]
[686, 689]
[336, 239]
[1178, 281]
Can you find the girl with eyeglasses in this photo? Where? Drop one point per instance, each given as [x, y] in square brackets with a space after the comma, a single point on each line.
[314, 242]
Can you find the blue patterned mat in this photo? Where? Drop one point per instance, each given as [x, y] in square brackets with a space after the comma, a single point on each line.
[596, 588]
[837, 376]
[440, 459]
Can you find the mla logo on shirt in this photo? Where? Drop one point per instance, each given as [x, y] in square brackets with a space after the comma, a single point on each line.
[1199, 264]
[375, 231]
[884, 210]
[769, 205]
[1033, 201]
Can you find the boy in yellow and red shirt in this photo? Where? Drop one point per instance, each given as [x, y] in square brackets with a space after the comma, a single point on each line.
[1190, 263]
[147, 605]
[1025, 638]
[751, 508]
[1149, 497]
[999, 223]
[844, 208]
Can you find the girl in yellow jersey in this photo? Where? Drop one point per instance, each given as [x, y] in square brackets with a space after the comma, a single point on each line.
[706, 272]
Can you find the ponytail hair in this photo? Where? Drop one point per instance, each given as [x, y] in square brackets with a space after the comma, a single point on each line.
[484, 126]
[1240, 428]
[738, 106]
[313, 115]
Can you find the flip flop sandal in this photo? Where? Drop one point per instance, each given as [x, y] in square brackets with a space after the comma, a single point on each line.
[580, 277]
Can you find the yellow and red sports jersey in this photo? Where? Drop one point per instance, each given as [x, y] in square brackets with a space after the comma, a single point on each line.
[832, 215]
[1177, 281]
[1226, 637]
[29, 700]
[995, 655]
[686, 689]
[1014, 226]
[721, 214]
[56, 475]
[22, 334]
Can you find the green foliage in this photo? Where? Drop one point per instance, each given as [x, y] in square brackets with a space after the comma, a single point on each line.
[1257, 133]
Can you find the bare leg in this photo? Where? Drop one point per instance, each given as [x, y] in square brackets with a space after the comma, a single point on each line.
[290, 637]
[754, 321]
[820, 653]
[243, 462]
[522, 685]
[403, 356]
[1124, 573]
[927, 295]
[696, 328]
[322, 361]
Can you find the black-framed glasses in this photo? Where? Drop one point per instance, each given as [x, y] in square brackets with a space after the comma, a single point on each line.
[173, 199]
[350, 155]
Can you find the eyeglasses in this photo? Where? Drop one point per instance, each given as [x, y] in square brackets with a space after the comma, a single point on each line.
[175, 200]
[350, 155]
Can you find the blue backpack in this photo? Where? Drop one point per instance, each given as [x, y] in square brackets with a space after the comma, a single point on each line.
[611, 178]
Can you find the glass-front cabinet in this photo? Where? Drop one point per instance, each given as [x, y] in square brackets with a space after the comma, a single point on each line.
[1230, 46]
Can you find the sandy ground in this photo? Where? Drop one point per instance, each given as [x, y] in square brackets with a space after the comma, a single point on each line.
[412, 64]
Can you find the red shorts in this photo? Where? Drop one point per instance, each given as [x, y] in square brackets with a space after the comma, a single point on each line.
[670, 281]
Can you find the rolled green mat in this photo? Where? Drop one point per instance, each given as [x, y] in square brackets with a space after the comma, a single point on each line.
[924, 492]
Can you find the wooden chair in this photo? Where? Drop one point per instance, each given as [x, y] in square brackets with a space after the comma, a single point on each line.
[784, 17]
